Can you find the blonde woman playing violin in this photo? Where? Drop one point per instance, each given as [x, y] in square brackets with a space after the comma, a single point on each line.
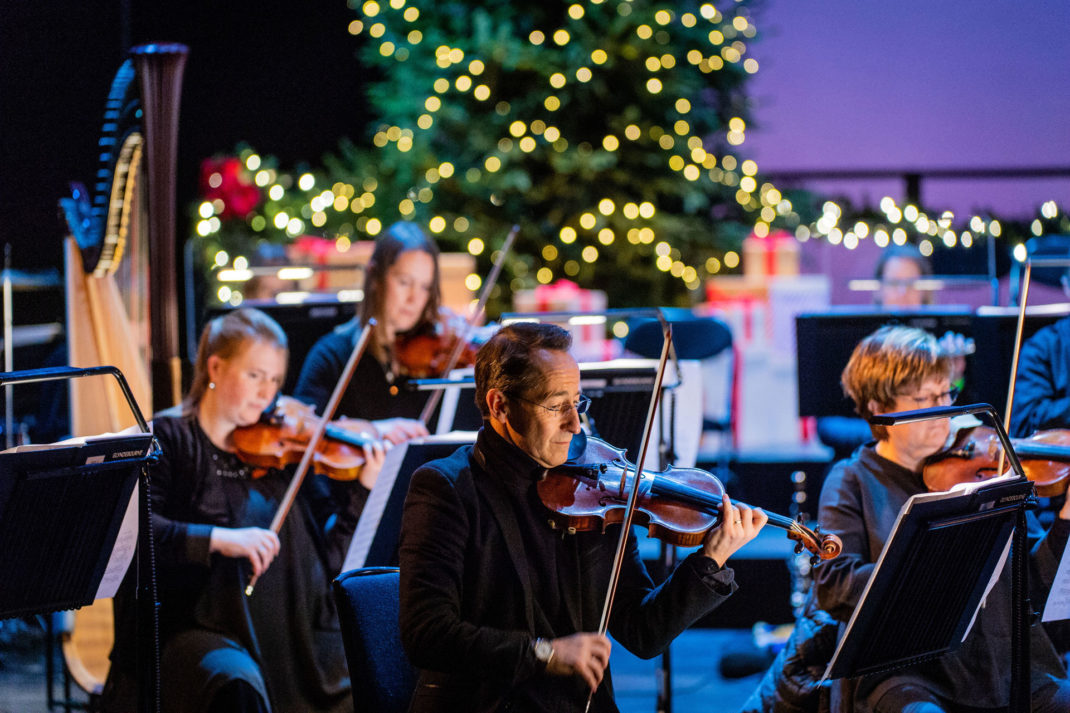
[899, 369]
[279, 649]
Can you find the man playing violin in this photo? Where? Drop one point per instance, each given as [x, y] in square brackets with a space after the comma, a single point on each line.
[499, 610]
[901, 369]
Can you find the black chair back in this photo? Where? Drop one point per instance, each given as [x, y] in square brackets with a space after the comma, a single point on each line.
[693, 337]
[382, 677]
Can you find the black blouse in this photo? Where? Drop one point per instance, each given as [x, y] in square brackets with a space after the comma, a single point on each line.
[288, 625]
[372, 394]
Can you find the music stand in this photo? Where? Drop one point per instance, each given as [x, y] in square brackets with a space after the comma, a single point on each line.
[953, 544]
[60, 514]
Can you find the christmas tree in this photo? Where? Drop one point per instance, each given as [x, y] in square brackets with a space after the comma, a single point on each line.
[606, 130]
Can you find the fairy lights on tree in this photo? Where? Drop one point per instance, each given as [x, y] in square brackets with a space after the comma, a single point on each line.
[608, 130]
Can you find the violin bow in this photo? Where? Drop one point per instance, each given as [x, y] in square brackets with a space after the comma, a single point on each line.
[481, 305]
[1014, 359]
[298, 478]
[633, 497]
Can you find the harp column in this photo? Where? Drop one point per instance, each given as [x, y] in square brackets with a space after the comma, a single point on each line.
[159, 69]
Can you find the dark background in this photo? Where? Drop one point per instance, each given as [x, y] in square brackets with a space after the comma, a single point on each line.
[282, 76]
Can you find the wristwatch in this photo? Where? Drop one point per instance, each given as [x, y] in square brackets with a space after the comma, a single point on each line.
[544, 652]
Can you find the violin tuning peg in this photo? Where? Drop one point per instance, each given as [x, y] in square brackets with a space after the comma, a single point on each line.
[798, 548]
[814, 560]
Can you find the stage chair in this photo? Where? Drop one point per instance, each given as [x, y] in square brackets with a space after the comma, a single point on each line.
[1043, 246]
[382, 677]
[698, 338]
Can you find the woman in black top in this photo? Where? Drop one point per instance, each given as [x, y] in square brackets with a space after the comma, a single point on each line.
[280, 648]
[402, 294]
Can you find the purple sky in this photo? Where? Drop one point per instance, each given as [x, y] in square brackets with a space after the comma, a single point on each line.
[917, 84]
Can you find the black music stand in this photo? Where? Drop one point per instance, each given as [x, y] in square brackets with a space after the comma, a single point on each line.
[61, 508]
[949, 543]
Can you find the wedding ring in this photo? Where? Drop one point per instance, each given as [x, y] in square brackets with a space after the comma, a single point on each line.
[738, 522]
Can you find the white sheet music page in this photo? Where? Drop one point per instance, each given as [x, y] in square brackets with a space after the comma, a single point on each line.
[373, 508]
[123, 551]
[379, 497]
[1058, 606]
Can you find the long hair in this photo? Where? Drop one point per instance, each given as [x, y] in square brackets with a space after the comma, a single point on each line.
[224, 337]
[399, 238]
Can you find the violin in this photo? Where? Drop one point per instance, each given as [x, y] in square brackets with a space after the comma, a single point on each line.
[975, 455]
[432, 355]
[311, 450]
[427, 355]
[677, 505]
[282, 439]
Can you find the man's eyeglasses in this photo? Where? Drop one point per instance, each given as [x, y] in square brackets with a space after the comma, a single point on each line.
[580, 407]
[945, 398]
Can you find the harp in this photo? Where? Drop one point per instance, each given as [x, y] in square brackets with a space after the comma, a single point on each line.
[121, 286]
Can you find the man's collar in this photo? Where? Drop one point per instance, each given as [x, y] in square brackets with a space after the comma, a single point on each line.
[504, 458]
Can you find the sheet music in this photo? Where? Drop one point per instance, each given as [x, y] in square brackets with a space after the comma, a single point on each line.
[447, 409]
[86, 478]
[74, 441]
[123, 551]
[368, 524]
[1058, 606]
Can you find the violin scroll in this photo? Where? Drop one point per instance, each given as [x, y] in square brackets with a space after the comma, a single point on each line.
[822, 545]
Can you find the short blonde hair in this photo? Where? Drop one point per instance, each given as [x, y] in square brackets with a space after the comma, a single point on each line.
[887, 362]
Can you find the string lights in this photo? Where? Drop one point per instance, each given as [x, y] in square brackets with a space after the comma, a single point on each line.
[491, 119]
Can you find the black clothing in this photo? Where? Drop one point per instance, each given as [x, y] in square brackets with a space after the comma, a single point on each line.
[483, 574]
[1042, 394]
[283, 640]
[792, 684]
[372, 393]
[860, 502]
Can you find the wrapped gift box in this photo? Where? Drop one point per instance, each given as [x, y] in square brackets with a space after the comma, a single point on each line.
[588, 340]
[774, 254]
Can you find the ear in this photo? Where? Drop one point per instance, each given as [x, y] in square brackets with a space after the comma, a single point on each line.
[874, 407]
[498, 406]
[214, 365]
